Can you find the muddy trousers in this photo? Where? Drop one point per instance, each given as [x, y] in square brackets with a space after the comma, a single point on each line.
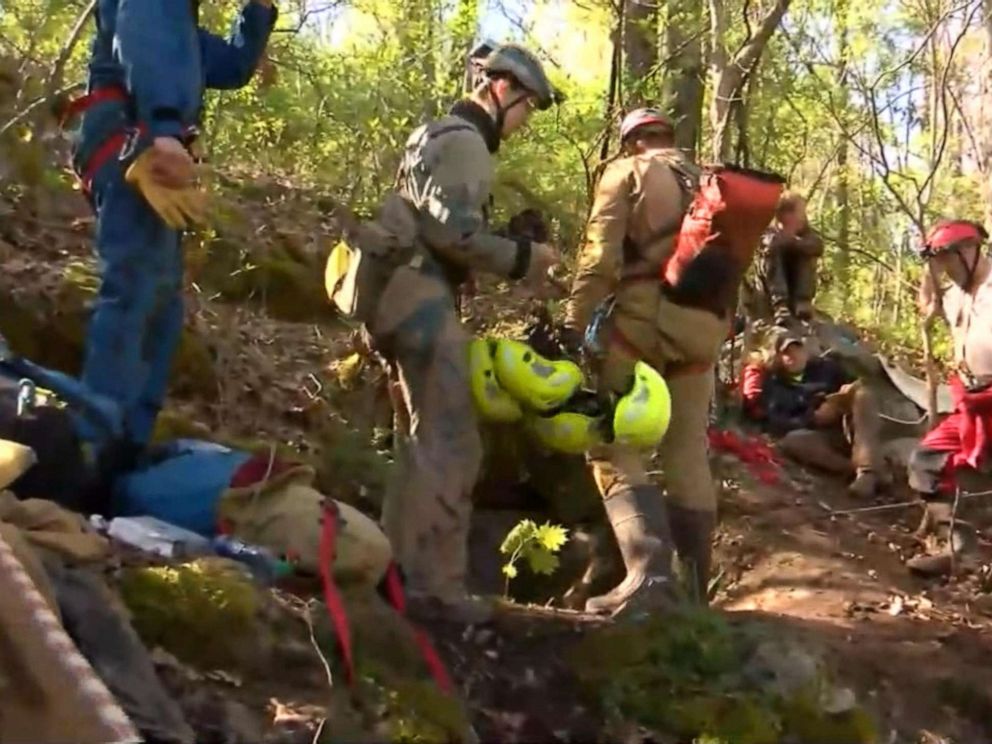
[428, 502]
[691, 495]
[789, 281]
[850, 445]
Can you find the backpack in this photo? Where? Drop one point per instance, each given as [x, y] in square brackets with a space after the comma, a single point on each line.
[718, 235]
[47, 423]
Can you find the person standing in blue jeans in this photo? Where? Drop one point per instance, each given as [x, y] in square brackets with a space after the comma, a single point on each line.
[149, 67]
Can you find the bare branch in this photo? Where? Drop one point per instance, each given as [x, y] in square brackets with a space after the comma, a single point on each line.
[54, 79]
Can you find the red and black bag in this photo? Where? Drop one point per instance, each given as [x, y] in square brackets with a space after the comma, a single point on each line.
[718, 236]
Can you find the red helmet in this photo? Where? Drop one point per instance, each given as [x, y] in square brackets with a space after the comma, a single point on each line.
[947, 235]
[643, 117]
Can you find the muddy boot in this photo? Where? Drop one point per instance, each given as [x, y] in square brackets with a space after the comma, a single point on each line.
[945, 548]
[601, 563]
[641, 528]
[692, 531]
[864, 485]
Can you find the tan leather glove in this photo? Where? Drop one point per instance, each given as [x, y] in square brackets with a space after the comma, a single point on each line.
[178, 207]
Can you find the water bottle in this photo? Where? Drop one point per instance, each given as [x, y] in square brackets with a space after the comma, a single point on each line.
[155, 536]
[264, 566]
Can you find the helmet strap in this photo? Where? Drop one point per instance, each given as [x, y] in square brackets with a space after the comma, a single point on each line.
[501, 110]
[969, 271]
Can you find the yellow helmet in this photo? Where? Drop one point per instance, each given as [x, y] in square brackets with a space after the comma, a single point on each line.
[533, 380]
[566, 431]
[491, 401]
[642, 415]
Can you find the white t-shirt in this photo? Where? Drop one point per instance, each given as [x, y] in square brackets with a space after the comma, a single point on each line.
[970, 318]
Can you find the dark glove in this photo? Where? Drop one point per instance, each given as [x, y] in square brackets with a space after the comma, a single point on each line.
[570, 340]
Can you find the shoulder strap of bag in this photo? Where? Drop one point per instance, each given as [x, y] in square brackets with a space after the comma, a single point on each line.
[688, 186]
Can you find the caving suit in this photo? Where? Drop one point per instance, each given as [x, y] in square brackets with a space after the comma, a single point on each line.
[440, 208]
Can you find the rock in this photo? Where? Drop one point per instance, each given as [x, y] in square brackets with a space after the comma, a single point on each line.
[783, 668]
[217, 720]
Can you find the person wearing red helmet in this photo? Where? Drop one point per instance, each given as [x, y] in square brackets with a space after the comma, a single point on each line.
[632, 230]
[957, 284]
[790, 251]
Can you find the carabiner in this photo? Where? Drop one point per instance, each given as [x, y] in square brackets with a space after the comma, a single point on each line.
[602, 313]
[27, 396]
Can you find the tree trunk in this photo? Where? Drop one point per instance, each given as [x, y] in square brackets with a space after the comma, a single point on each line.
[684, 82]
[730, 72]
[985, 156]
[640, 48]
[843, 176]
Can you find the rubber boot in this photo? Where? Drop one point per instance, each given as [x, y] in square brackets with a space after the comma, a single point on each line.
[640, 525]
[864, 485]
[692, 531]
[951, 547]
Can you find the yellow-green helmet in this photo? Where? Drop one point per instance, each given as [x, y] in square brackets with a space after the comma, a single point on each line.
[491, 401]
[570, 432]
[642, 415]
[536, 382]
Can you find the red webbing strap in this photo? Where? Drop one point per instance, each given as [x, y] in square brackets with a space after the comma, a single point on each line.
[78, 105]
[332, 597]
[110, 147]
[394, 591]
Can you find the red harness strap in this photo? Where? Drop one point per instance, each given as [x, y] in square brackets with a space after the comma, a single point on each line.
[394, 593]
[109, 147]
[332, 597]
[98, 95]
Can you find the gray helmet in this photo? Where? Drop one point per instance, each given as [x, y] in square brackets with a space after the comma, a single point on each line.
[524, 67]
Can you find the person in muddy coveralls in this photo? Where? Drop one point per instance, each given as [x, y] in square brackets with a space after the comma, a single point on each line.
[149, 66]
[626, 244]
[440, 207]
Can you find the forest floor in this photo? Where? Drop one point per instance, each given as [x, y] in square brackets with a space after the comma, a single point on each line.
[917, 654]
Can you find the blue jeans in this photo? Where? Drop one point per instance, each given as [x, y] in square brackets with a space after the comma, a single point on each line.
[138, 318]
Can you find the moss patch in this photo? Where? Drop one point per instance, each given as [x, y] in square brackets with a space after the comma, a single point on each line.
[688, 673]
[204, 613]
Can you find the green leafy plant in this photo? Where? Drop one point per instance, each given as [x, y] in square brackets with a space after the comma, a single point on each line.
[538, 545]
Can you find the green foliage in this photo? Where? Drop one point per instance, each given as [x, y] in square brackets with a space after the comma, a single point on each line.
[353, 79]
[537, 545]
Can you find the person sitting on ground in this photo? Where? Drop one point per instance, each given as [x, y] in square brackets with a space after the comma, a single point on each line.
[790, 251]
[825, 418]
